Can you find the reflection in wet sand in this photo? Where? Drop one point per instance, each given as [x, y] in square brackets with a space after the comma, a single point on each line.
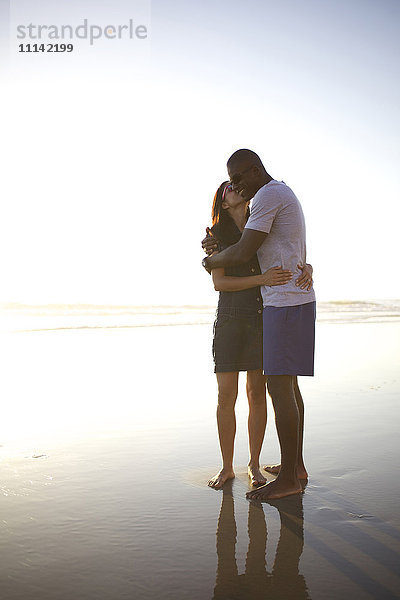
[80, 517]
[284, 580]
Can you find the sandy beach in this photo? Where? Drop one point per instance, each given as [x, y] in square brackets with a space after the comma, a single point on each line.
[108, 438]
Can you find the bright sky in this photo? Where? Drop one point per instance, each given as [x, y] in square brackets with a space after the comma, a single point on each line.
[111, 154]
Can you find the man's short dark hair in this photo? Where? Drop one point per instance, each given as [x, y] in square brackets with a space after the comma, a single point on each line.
[245, 156]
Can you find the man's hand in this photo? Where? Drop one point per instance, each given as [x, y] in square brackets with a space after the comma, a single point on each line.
[305, 280]
[210, 244]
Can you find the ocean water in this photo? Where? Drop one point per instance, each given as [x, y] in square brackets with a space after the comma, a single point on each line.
[22, 317]
[108, 437]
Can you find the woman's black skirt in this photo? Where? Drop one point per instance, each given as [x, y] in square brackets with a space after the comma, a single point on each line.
[237, 343]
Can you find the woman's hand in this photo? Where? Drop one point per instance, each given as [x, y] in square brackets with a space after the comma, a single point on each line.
[275, 276]
[305, 280]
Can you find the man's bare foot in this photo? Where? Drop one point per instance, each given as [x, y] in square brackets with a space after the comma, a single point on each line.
[220, 478]
[275, 469]
[275, 489]
[256, 478]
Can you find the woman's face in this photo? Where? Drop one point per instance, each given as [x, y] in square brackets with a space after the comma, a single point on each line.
[232, 199]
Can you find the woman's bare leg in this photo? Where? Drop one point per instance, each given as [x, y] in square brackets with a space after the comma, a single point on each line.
[301, 469]
[256, 394]
[226, 420]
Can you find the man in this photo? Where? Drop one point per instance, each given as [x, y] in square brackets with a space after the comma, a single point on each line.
[276, 231]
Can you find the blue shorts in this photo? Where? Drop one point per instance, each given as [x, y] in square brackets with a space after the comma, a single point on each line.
[289, 339]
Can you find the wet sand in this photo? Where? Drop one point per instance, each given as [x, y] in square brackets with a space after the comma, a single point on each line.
[108, 438]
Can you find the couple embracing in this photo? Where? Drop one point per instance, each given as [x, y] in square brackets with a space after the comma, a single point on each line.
[265, 322]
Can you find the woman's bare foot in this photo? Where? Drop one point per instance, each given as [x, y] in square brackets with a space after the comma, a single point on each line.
[275, 489]
[220, 478]
[256, 478]
[275, 469]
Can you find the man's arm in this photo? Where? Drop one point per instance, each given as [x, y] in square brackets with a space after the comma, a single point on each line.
[239, 253]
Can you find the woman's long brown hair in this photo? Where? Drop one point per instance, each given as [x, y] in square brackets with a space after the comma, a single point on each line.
[223, 226]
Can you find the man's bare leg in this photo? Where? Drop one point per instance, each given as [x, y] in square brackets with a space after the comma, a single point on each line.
[256, 394]
[301, 469]
[226, 420]
[281, 390]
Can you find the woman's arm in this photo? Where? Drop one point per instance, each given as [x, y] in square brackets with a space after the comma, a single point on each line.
[227, 283]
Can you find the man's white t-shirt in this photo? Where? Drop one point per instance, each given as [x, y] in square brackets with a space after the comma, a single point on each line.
[275, 210]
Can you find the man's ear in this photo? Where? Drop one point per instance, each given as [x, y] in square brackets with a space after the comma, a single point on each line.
[224, 204]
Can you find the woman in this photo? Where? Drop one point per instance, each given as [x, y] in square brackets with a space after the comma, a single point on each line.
[237, 344]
